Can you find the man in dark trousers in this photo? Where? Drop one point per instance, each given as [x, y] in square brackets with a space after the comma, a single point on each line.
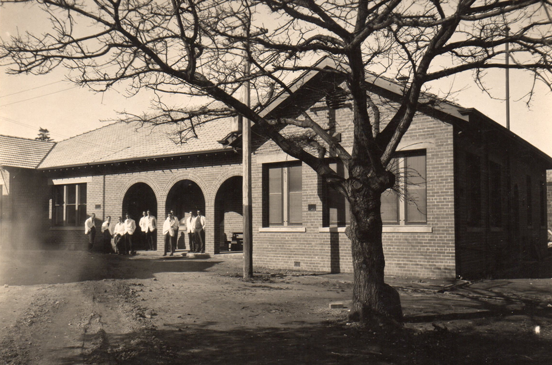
[130, 227]
[199, 232]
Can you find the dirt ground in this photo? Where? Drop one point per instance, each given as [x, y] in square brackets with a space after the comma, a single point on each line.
[75, 307]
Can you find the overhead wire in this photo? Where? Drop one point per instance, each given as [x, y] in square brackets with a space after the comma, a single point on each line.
[33, 88]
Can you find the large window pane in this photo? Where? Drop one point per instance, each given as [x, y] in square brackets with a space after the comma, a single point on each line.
[390, 207]
[71, 215]
[495, 194]
[82, 194]
[71, 194]
[415, 179]
[338, 211]
[473, 173]
[275, 201]
[295, 181]
[529, 199]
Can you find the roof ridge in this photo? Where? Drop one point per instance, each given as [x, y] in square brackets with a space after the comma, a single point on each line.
[92, 130]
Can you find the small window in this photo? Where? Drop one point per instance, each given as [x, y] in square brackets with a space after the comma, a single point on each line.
[284, 186]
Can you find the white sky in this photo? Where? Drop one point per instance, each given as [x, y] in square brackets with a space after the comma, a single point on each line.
[28, 102]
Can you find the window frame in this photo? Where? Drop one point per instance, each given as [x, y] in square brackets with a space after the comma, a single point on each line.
[334, 201]
[288, 211]
[401, 184]
[73, 213]
[400, 161]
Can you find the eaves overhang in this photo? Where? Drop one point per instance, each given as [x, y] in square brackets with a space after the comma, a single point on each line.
[152, 158]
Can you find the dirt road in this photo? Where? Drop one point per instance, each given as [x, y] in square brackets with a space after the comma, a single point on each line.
[71, 307]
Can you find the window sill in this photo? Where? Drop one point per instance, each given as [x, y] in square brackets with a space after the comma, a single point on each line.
[283, 229]
[385, 229]
[331, 229]
[407, 229]
[475, 229]
[67, 229]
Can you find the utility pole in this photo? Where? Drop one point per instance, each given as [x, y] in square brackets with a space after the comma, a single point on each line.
[507, 79]
[246, 162]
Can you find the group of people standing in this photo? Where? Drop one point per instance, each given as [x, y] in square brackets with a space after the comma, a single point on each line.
[122, 232]
[195, 228]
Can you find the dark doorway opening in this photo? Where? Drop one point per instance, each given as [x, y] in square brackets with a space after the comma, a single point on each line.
[139, 198]
[228, 214]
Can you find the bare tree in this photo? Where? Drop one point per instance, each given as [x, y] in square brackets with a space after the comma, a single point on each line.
[195, 47]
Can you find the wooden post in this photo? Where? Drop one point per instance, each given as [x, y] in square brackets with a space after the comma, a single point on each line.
[246, 157]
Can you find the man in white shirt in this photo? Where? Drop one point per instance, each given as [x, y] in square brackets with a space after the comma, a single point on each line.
[169, 231]
[130, 227]
[190, 231]
[150, 233]
[143, 224]
[199, 232]
[107, 233]
[118, 233]
[90, 230]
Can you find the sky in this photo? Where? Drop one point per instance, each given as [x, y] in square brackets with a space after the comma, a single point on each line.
[29, 102]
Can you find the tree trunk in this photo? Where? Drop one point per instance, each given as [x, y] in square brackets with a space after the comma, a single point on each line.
[373, 300]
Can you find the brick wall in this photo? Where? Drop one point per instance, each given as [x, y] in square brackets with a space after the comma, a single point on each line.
[407, 253]
[487, 249]
[106, 191]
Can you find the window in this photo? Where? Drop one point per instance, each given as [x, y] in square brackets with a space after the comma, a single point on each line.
[495, 194]
[529, 202]
[542, 204]
[337, 210]
[69, 205]
[285, 194]
[410, 170]
[473, 181]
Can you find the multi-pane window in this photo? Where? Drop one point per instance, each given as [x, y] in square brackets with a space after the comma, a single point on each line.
[543, 204]
[337, 207]
[529, 202]
[69, 205]
[411, 208]
[285, 194]
[473, 198]
[495, 194]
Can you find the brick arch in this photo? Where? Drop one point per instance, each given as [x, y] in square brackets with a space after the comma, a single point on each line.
[138, 203]
[192, 176]
[215, 187]
[128, 185]
[141, 179]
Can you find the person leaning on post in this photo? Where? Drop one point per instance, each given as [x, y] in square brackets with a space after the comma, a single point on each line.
[150, 233]
[90, 230]
[107, 233]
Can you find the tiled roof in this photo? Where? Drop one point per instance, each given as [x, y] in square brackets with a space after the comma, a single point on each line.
[22, 152]
[122, 141]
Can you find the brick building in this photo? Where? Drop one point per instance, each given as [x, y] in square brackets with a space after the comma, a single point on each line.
[473, 199]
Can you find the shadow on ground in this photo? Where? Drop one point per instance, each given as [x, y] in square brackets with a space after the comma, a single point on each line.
[34, 267]
[326, 343]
